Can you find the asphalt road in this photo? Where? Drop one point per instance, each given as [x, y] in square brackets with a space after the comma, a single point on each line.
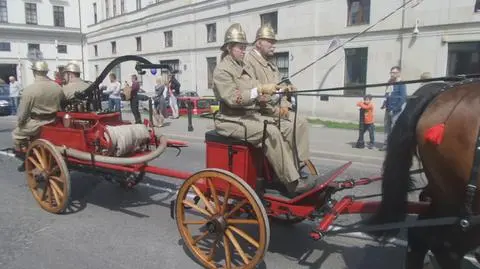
[110, 227]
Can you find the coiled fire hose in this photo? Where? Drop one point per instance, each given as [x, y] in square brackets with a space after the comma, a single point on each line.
[125, 139]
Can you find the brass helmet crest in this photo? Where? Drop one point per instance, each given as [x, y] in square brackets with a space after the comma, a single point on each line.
[41, 66]
[265, 32]
[234, 34]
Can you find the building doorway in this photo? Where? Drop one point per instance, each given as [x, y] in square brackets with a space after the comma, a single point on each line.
[7, 70]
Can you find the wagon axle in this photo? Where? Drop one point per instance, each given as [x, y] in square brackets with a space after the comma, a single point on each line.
[217, 225]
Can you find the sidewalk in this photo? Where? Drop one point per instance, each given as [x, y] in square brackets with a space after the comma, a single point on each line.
[325, 142]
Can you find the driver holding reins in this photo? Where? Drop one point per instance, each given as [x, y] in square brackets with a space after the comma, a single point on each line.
[265, 71]
[241, 96]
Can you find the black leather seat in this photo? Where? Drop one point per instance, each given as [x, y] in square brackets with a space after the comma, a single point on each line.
[213, 136]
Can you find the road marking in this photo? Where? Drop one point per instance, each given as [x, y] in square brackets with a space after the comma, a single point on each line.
[7, 154]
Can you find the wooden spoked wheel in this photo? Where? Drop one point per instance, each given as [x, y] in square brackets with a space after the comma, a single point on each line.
[226, 225]
[311, 168]
[47, 176]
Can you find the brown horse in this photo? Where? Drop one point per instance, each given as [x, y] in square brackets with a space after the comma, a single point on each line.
[440, 127]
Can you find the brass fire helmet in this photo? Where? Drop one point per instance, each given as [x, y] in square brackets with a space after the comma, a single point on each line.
[41, 66]
[72, 67]
[234, 34]
[265, 32]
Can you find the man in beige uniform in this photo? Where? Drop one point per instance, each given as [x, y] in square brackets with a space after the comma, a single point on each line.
[259, 59]
[239, 94]
[73, 82]
[39, 104]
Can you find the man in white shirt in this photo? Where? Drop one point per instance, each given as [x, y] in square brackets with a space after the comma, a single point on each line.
[15, 89]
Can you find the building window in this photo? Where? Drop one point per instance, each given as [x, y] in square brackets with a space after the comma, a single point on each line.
[139, 43]
[32, 47]
[95, 50]
[58, 16]
[62, 48]
[3, 11]
[356, 60]
[168, 39]
[114, 47]
[358, 12]
[139, 4]
[107, 9]
[31, 13]
[211, 64]
[477, 6]
[281, 60]
[122, 6]
[95, 16]
[174, 65]
[211, 32]
[5, 46]
[270, 19]
[463, 58]
[96, 70]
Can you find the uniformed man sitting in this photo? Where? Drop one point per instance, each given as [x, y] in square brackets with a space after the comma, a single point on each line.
[240, 95]
[73, 83]
[266, 71]
[39, 104]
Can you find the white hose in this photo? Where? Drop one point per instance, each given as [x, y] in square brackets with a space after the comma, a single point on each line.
[85, 156]
[125, 139]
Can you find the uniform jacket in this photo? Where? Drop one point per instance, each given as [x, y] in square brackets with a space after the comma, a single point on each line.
[265, 72]
[233, 82]
[40, 102]
[75, 85]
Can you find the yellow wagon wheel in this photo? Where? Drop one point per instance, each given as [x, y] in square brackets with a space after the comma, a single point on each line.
[225, 225]
[47, 176]
[311, 168]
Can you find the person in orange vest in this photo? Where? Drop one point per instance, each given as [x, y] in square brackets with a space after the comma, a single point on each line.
[366, 122]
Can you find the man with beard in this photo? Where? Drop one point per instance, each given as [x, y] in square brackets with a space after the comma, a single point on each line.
[265, 71]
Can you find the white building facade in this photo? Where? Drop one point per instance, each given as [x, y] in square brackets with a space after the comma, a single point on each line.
[437, 36]
[33, 29]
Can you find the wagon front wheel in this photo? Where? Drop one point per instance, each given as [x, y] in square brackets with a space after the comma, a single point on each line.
[47, 176]
[221, 220]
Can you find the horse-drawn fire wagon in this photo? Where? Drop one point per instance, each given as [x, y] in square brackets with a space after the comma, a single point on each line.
[222, 212]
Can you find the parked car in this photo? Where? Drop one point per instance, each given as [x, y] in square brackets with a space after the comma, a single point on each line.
[6, 106]
[200, 105]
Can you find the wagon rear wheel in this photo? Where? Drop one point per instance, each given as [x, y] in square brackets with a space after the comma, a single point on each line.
[47, 176]
[225, 225]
